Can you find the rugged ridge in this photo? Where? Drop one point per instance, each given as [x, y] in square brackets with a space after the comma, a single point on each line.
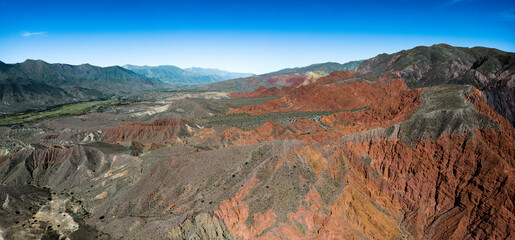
[490, 70]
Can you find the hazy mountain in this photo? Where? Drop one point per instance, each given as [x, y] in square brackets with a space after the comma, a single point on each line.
[328, 67]
[255, 81]
[35, 84]
[184, 77]
[223, 75]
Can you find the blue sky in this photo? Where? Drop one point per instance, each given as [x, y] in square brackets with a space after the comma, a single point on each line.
[245, 36]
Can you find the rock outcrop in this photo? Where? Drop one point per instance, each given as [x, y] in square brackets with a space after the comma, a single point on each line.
[158, 131]
[202, 227]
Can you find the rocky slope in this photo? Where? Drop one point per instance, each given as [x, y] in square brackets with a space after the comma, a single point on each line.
[161, 130]
[297, 81]
[490, 70]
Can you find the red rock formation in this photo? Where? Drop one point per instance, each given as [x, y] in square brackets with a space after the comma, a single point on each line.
[301, 129]
[158, 131]
[386, 112]
[292, 81]
[330, 98]
[459, 186]
[234, 213]
[455, 187]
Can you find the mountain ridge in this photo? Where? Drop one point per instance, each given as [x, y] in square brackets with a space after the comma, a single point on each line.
[38, 84]
[490, 70]
[254, 82]
[184, 77]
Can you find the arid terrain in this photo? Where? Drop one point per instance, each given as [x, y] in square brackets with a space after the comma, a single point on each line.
[418, 144]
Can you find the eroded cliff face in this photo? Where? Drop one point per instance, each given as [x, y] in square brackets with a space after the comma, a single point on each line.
[444, 184]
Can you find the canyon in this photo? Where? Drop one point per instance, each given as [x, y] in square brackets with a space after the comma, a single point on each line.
[418, 144]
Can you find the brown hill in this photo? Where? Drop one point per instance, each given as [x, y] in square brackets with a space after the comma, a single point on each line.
[158, 131]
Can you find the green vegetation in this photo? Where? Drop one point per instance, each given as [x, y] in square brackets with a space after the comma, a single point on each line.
[70, 109]
[389, 130]
[241, 102]
[366, 160]
[300, 227]
[108, 148]
[248, 122]
[221, 106]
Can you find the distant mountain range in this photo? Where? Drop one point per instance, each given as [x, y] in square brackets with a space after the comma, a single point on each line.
[284, 77]
[35, 84]
[184, 77]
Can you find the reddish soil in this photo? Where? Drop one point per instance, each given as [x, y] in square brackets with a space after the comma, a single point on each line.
[159, 131]
[301, 129]
[386, 112]
[330, 98]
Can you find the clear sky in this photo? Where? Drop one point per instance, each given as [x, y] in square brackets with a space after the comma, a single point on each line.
[244, 36]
